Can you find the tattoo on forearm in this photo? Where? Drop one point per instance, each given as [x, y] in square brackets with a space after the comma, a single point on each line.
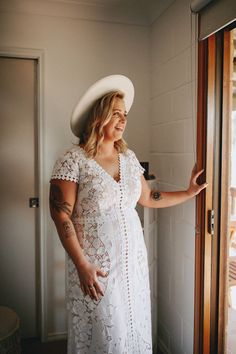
[155, 195]
[68, 229]
[56, 200]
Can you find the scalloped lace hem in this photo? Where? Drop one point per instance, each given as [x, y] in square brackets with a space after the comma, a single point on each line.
[65, 178]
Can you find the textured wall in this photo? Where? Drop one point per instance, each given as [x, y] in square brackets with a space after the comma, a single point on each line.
[172, 158]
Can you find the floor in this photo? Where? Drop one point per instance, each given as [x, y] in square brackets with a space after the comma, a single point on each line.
[35, 346]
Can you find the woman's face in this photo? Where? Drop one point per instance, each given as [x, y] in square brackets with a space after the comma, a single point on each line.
[116, 126]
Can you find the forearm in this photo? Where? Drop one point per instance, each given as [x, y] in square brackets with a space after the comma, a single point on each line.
[69, 240]
[157, 199]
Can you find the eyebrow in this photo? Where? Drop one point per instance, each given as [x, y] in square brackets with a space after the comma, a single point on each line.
[119, 110]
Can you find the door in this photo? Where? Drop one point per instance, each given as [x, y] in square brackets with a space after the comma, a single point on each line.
[18, 255]
[215, 104]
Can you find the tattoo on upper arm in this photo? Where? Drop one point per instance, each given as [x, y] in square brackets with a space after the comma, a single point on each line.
[56, 200]
[155, 195]
[68, 229]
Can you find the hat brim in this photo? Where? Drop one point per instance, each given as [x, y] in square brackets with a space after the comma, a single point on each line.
[80, 113]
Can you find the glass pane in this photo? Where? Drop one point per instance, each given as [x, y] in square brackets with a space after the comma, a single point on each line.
[231, 328]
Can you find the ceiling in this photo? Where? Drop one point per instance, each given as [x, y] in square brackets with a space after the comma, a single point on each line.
[134, 12]
[140, 12]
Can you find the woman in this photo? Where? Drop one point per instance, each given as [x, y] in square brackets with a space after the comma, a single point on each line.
[94, 190]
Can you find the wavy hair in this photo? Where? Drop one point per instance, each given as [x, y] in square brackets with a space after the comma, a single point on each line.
[100, 115]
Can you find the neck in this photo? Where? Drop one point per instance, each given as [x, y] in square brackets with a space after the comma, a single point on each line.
[106, 148]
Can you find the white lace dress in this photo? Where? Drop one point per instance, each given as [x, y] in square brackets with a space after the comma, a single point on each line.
[110, 233]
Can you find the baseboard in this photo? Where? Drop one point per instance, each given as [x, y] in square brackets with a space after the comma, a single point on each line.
[56, 336]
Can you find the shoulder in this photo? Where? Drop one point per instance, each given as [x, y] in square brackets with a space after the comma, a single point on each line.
[134, 162]
[129, 153]
[75, 151]
[67, 165]
[74, 154]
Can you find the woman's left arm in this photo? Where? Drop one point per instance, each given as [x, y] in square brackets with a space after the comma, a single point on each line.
[157, 199]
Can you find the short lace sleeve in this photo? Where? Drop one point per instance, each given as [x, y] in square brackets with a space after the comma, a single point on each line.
[135, 163]
[67, 166]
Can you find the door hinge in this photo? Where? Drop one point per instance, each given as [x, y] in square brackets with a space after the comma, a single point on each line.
[211, 222]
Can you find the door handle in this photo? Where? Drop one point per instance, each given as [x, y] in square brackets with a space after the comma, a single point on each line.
[34, 202]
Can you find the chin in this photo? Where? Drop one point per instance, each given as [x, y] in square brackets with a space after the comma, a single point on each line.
[117, 138]
[118, 132]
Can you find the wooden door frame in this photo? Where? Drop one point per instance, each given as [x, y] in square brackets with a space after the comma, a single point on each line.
[211, 251]
[200, 200]
[225, 184]
[204, 200]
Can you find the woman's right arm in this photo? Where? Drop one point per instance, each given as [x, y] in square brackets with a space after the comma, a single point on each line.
[62, 200]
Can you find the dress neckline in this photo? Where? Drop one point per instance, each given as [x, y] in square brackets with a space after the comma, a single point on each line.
[96, 164]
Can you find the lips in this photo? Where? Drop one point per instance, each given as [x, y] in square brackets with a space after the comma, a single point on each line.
[119, 128]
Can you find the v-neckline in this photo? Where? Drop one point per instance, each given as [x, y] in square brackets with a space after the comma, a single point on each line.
[103, 169]
[107, 173]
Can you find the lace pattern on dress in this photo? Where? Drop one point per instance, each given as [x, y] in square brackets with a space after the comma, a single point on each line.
[83, 308]
[110, 234]
[67, 166]
[134, 161]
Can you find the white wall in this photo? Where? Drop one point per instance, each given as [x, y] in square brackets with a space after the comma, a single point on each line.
[76, 53]
[172, 159]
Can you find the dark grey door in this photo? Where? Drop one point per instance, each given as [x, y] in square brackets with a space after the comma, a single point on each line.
[18, 176]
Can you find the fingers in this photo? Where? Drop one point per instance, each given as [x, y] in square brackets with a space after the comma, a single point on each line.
[204, 185]
[99, 289]
[102, 273]
[93, 292]
[90, 291]
[91, 286]
[199, 173]
[96, 284]
[196, 175]
[201, 187]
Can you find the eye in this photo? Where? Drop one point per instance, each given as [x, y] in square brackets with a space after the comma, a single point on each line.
[119, 115]
[116, 115]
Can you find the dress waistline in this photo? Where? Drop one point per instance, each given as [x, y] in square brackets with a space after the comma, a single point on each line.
[111, 215]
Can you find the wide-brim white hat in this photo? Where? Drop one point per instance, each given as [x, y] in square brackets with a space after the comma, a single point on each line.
[110, 83]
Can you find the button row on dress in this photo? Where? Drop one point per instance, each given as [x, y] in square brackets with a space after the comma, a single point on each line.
[126, 262]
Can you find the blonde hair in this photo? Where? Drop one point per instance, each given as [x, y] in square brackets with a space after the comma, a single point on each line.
[100, 116]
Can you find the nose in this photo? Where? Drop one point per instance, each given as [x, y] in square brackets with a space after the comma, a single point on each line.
[123, 118]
